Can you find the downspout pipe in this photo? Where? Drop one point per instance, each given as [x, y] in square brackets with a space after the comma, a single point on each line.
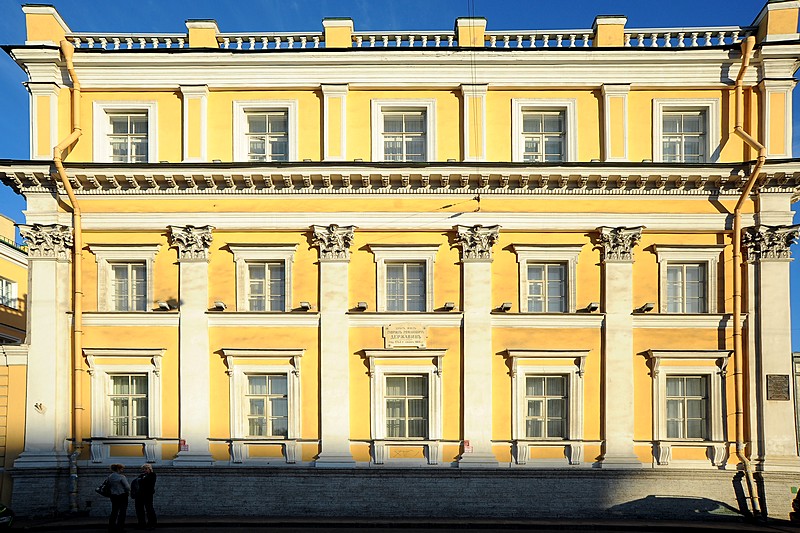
[77, 287]
[738, 357]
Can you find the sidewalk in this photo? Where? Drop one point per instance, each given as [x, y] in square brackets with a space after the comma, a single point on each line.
[200, 524]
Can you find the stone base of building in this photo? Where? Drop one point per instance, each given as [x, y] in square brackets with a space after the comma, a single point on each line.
[386, 493]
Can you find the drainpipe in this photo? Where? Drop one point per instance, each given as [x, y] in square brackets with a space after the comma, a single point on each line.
[741, 446]
[77, 295]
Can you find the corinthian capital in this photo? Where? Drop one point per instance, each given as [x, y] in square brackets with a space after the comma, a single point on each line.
[192, 242]
[617, 243]
[476, 241]
[47, 240]
[333, 241]
[770, 242]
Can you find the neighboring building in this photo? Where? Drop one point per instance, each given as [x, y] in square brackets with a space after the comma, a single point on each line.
[502, 258]
[13, 295]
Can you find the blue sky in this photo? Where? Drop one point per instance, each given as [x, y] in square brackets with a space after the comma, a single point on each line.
[304, 15]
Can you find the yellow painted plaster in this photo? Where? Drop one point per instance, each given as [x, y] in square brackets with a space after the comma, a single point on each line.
[194, 131]
[335, 126]
[43, 27]
[617, 116]
[609, 35]
[777, 124]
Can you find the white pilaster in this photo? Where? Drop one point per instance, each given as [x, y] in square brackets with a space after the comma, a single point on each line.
[476, 264]
[777, 107]
[193, 365]
[334, 258]
[335, 98]
[43, 105]
[768, 249]
[615, 139]
[48, 379]
[474, 123]
[618, 414]
[199, 94]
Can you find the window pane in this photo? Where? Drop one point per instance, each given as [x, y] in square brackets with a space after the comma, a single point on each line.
[417, 428]
[555, 408]
[120, 384]
[674, 386]
[257, 427]
[695, 408]
[280, 407]
[280, 427]
[395, 386]
[139, 384]
[139, 407]
[417, 386]
[278, 123]
[257, 384]
[556, 386]
[394, 428]
[533, 428]
[674, 409]
[535, 386]
[139, 124]
[554, 122]
[141, 426]
[535, 408]
[119, 407]
[415, 123]
[695, 386]
[257, 407]
[536, 272]
[256, 123]
[674, 429]
[417, 408]
[532, 122]
[555, 428]
[695, 429]
[393, 123]
[672, 123]
[395, 408]
[277, 385]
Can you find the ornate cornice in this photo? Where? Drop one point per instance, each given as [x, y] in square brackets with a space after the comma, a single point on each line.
[333, 241]
[770, 243]
[476, 242]
[192, 242]
[617, 243]
[47, 240]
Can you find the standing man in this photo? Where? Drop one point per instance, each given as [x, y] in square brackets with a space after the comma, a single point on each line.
[145, 490]
[120, 488]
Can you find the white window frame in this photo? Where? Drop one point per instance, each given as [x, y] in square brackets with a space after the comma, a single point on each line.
[102, 126]
[245, 254]
[422, 362]
[404, 253]
[548, 253]
[682, 254]
[136, 361]
[689, 363]
[427, 105]
[711, 108]
[13, 300]
[567, 363]
[240, 110]
[567, 105]
[244, 362]
[109, 254]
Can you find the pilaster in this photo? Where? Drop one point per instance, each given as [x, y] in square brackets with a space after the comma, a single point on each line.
[768, 250]
[44, 118]
[48, 375]
[476, 270]
[334, 257]
[335, 122]
[474, 123]
[193, 356]
[615, 122]
[195, 129]
[616, 245]
[777, 116]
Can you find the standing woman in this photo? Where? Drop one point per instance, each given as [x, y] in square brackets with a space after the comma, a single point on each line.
[145, 513]
[120, 488]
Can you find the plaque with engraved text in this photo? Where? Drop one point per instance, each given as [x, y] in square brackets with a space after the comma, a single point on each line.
[778, 387]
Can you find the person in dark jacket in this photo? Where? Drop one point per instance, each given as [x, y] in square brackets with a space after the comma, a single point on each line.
[120, 488]
[146, 487]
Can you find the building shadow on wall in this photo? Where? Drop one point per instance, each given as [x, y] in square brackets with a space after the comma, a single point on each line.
[676, 508]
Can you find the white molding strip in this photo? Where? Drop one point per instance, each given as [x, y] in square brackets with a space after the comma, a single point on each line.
[542, 320]
[228, 319]
[140, 319]
[669, 321]
[370, 320]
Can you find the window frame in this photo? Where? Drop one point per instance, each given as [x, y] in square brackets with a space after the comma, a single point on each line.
[565, 363]
[106, 362]
[240, 110]
[407, 397]
[246, 254]
[242, 363]
[404, 253]
[566, 254]
[102, 127]
[566, 105]
[107, 255]
[13, 298]
[380, 106]
[711, 107]
[684, 399]
[709, 363]
[418, 362]
[682, 254]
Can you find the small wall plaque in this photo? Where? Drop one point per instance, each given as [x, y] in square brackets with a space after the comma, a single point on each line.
[778, 387]
[404, 335]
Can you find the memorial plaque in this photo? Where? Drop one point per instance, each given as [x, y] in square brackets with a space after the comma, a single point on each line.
[404, 336]
[778, 387]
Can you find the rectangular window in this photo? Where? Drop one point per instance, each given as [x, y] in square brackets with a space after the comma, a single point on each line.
[129, 286]
[266, 286]
[129, 405]
[406, 407]
[686, 288]
[268, 406]
[684, 136]
[404, 135]
[127, 137]
[687, 407]
[543, 135]
[405, 287]
[267, 135]
[8, 293]
[546, 407]
[547, 284]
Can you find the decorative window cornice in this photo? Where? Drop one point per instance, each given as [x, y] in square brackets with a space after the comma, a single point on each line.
[770, 243]
[47, 240]
[333, 241]
[192, 242]
[617, 243]
[476, 242]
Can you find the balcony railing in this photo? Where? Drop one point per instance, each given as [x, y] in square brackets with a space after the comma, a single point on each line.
[510, 39]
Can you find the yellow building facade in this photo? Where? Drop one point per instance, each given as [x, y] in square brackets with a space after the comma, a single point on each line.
[509, 260]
